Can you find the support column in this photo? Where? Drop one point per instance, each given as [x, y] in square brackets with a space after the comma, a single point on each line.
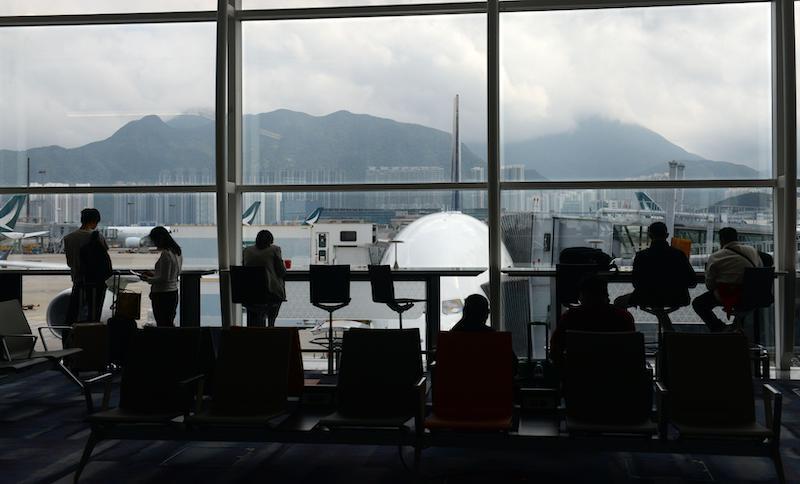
[784, 164]
[493, 131]
[224, 13]
[234, 147]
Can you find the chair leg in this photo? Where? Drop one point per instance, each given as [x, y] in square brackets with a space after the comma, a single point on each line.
[330, 343]
[400, 315]
[71, 376]
[776, 459]
[87, 454]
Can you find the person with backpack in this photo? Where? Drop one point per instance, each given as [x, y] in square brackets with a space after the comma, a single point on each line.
[164, 279]
[90, 266]
[725, 268]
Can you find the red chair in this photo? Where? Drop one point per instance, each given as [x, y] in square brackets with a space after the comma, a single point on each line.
[729, 295]
[473, 383]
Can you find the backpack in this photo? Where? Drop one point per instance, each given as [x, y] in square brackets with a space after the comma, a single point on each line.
[586, 255]
[95, 263]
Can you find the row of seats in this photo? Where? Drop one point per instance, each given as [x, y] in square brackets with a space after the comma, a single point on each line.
[254, 389]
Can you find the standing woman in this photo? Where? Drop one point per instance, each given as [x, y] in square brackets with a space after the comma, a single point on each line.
[164, 280]
[268, 255]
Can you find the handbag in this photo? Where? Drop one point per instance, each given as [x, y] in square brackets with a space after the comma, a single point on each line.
[128, 305]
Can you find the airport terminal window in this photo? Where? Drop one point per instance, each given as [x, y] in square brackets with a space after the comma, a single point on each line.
[268, 4]
[538, 224]
[686, 83]
[316, 113]
[80, 7]
[107, 105]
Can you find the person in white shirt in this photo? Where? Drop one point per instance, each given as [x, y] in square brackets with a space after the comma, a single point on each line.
[86, 300]
[164, 279]
[725, 268]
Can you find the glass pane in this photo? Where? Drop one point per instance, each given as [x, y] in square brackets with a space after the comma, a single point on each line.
[414, 229]
[107, 105]
[618, 93]
[538, 224]
[35, 244]
[268, 4]
[317, 113]
[78, 7]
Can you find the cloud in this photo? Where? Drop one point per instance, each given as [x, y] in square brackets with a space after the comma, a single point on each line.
[698, 75]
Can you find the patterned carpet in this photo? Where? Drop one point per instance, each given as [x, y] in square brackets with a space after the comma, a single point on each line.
[42, 433]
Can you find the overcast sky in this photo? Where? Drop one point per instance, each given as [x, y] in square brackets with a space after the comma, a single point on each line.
[700, 76]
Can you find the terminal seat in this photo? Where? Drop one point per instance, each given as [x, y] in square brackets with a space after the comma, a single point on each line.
[381, 383]
[157, 386]
[607, 387]
[18, 355]
[473, 385]
[707, 393]
[251, 379]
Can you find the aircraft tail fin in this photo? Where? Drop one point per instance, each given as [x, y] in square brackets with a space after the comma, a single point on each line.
[9, 213]
[312, 218]
[249, 215]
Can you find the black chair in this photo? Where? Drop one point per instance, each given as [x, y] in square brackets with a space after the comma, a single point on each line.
[757, 293]
[613, 397]
[568, 281]
[249, 285]
[706, 392]
[156, 387]
[381, 384]
[250, 288]
[661, 306]
[380, 278]
[330, 291]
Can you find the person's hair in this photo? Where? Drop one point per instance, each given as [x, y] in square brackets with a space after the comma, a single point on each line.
[264, 239]
[728, 234]
[593, 289]
[476, 307]
[163, 240]
[90, 216]
[658, 231]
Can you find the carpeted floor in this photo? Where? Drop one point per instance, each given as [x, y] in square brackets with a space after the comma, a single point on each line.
[42, 433]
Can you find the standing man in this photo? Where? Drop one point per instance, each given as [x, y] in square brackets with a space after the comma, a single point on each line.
[725, 267]
[87, 257]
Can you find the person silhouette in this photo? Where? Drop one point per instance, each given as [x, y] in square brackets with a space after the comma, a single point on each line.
[164, 279]
[662, 276]
[474, 314]
[268, 255]
[594, 314]
[87, 295]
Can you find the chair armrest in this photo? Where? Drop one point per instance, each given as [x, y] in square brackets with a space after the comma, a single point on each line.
[662, 409]
[51, 328]
[773, 410]
[7, 353]
[104, 378]
[421, 388]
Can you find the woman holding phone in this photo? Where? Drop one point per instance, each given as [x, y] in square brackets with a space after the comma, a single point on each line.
[268, 255]
[164, 279]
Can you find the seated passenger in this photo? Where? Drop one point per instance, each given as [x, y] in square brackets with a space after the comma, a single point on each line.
[662, 276]
[724, 269]
[473, 319]
[474, 315]
[594, 314]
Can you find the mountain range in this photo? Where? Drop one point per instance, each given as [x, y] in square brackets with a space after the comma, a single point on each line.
[346, 145]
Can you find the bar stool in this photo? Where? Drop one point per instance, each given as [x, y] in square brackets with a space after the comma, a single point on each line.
[380, 278]
[754, 294]
[249, 288]
[329, 291]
